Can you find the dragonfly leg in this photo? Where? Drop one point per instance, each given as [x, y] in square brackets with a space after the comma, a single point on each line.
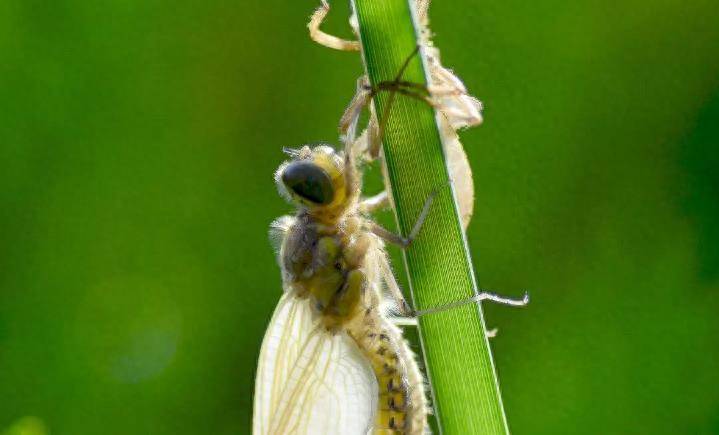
[326, 39]
[395, 291]
[483, 296]
[375, 203]
[398, 240]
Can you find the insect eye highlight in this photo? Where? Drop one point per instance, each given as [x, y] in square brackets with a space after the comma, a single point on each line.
[309, 181]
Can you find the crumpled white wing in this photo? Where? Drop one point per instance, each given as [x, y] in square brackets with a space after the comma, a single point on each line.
[310, 381]
[278, 230]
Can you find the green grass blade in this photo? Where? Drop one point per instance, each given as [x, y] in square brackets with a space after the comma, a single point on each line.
[466, 394]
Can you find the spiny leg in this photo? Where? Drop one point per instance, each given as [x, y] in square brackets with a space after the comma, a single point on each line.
[348, 125]
[487, 296]
[483, 296]
[371, 137]
[375, 127]
[404, 242]
[393, 287]
[351, 172]
[364, 94]
[413, 316]
[457, 106]
[412, 321]
[403, 321]
[389, 85]
[374, 203]
[326, 39]
[351, 115]
[392, 94]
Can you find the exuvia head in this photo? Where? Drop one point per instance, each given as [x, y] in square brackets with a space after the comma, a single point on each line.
[314, 179]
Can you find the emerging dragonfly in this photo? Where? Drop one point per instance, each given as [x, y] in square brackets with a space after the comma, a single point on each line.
[332, 361]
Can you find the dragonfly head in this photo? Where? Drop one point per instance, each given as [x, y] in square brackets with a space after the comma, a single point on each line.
[313, 178]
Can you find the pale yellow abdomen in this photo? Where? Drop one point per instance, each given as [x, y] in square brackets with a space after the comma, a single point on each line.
[402, 407]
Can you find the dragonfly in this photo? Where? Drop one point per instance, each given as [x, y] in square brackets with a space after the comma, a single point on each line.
[332, 360]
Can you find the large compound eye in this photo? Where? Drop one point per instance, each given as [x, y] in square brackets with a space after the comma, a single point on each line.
[309, 181]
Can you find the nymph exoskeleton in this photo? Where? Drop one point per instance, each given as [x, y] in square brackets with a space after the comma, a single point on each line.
[456, 109]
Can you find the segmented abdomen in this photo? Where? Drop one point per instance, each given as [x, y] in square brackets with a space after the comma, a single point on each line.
[402, 407]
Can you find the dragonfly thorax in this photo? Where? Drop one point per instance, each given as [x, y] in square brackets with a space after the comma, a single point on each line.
[327, 265]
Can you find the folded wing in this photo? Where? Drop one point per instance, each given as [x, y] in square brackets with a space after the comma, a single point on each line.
[310, 381]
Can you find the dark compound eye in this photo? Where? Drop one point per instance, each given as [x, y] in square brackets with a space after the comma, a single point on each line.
[309, 181]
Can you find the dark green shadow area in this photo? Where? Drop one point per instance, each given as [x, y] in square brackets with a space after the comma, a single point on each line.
[700, 152]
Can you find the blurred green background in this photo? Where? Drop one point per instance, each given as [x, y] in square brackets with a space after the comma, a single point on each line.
[138, 141]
